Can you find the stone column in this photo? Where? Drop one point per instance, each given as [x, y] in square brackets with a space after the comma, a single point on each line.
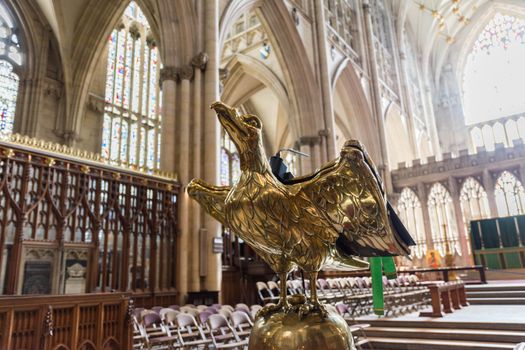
[310, 145]
[462, 233]
[211, 140]
[168, 80]
[199, 64]
[422, 195]
[488, 185]
[377, 108]
[184, 146]
[325, 83]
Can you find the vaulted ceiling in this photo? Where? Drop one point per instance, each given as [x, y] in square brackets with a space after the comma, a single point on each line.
[443, 27]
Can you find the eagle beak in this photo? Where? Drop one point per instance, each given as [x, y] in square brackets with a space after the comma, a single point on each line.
[228, 119]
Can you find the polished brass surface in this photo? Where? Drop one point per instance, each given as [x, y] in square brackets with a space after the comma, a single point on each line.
[288, 331]
[298, 224]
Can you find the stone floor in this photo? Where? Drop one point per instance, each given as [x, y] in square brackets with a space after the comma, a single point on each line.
[472, 313]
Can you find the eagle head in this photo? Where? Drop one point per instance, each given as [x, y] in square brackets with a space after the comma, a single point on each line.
[243, 129]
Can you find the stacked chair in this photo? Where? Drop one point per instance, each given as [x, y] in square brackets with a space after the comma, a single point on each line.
[193, 327]
[403, 294]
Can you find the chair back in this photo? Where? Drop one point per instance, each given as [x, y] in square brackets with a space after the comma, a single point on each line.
[227, 307]
[152, 319]
[225, 313]
[168, 315]
[203, 316]
[341, 308]
[174, 307]
[239, 317]
[274, 288]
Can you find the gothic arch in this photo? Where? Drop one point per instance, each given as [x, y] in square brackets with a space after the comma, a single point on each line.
[248, 76]
[98, 22]
[352, 108]
[480, 19]
[242, 64]
[299, 77]
[35, 42]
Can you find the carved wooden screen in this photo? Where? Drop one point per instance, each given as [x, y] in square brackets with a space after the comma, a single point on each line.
[115, 229]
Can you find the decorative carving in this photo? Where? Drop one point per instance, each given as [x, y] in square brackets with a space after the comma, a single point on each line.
[53, 87]
[62, 150]
[223, 73]
[200, 60]
[186, 72]
[48, 322]
[96, 103]
[168, 73]
[309, 140]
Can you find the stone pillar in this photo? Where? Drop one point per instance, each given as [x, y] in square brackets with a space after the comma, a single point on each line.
[199, 64]
[184, 151]
[168, 80]
[377, 108]
[325, 83]
[310, 145]
[488, 185]
[211, 141]
[422, 195]
[462, 233]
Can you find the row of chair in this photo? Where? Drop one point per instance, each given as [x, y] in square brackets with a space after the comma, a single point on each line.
[193, 327]
[403, 294]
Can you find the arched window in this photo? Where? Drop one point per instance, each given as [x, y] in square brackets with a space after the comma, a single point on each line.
[494, 71]
[132, 118]
[230, 161]
[474, 202]
[442, 220]
[10, 62]
[409, 208]
[510, 195]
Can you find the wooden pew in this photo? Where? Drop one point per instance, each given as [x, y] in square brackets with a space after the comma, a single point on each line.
[445, 297]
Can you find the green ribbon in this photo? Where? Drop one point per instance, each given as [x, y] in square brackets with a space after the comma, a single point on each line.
[378, 265]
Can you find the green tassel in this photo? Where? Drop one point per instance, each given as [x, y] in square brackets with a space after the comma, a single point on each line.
[377, 265]
[389, 267]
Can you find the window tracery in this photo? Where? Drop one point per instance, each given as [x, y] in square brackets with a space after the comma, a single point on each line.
[474, 203]
[473, 200]
[10, 62]
[341, 17]
[510, 195]
[409, 208]
[442, 220]
[494, 71]
[230, 168]
[132, 119]
[383, 45]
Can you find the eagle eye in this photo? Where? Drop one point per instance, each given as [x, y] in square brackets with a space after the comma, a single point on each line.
[252, 121]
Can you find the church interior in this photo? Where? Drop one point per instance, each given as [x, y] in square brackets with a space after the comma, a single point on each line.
[106, 119]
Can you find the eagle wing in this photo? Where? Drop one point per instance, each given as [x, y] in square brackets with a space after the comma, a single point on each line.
[210, 197]
[349, 194]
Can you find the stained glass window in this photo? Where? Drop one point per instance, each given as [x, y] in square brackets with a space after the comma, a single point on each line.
[442, 220]
[10, 61]
[132, 118]
[510, 195]
[230, 161]
[474, 203]
[409, 208]
[494, 71]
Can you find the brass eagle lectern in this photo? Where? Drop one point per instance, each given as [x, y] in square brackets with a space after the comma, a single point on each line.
[328, 217]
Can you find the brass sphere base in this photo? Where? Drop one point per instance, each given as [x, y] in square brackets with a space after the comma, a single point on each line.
[287, 331]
